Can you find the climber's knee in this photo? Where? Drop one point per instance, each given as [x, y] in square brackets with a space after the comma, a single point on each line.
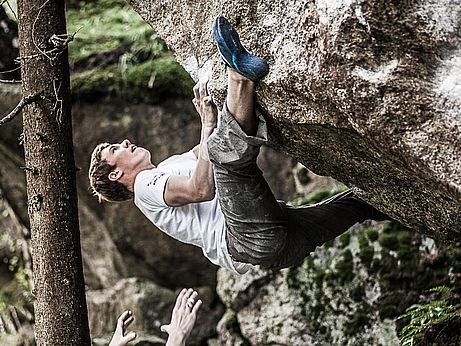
[260, 248]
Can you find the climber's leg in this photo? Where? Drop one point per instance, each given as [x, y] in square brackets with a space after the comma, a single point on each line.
[256, 225]
[314, 225]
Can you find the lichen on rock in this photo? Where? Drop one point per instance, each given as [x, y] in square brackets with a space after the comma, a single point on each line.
[339, 295]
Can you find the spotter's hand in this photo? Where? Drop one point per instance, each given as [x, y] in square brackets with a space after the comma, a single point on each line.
[121, 337]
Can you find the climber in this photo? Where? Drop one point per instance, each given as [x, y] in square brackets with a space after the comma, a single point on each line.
[242, 224]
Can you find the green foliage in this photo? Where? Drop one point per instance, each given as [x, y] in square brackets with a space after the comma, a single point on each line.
[372, 234]
[292, 278]
[16, 292]
[389, 304]
[132, 63]
[388, 241]
[106, 25]
[433, 315]
[366, 251]
[345, 239]
[362, 240]
[345, 267]
[358, 292]
[404, 237]
[366, 255]
[147, 82]
[318, 195]
[358, 320]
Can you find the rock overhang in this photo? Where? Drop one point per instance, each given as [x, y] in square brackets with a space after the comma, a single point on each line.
[366, 92]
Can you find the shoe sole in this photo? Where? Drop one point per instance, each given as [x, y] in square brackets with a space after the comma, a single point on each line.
[234, 54]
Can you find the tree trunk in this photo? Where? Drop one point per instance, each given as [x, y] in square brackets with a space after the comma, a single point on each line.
[60, 307]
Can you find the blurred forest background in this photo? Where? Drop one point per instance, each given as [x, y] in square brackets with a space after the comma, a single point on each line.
[378, 284]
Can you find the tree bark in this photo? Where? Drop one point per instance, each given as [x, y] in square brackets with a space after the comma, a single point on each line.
[60, 307]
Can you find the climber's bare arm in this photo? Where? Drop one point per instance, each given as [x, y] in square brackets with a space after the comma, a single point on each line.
[200, 187]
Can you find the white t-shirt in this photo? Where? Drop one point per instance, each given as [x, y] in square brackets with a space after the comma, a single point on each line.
[201, 224]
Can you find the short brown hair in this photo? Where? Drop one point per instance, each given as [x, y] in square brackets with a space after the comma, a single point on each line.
[102, 187]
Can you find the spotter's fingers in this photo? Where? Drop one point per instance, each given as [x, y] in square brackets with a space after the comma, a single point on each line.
[184, 298]
[178, 302]
[121, 320]
[197, 306]
[128, 321]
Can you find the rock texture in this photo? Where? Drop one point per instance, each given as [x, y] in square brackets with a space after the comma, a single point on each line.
[151, 305]
[366, 92]
[349, 292]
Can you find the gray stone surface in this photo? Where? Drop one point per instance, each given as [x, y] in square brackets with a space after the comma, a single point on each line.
[366, 92]
[348, 292]
[151, 305]
[337, 297]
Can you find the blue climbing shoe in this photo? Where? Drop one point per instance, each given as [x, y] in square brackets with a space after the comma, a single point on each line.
[234, 54]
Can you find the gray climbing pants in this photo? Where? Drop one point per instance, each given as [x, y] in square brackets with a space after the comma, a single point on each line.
[260, 229]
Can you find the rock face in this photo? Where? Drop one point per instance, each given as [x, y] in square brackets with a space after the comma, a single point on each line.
[151, 305]
[366, 92]
[349, 292]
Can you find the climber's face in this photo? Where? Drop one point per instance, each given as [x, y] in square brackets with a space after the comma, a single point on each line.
[127, 158]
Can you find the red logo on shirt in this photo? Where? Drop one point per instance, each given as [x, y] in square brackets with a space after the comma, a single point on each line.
[155, 179]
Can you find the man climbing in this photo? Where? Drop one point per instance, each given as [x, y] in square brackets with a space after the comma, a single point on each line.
[242, 224]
